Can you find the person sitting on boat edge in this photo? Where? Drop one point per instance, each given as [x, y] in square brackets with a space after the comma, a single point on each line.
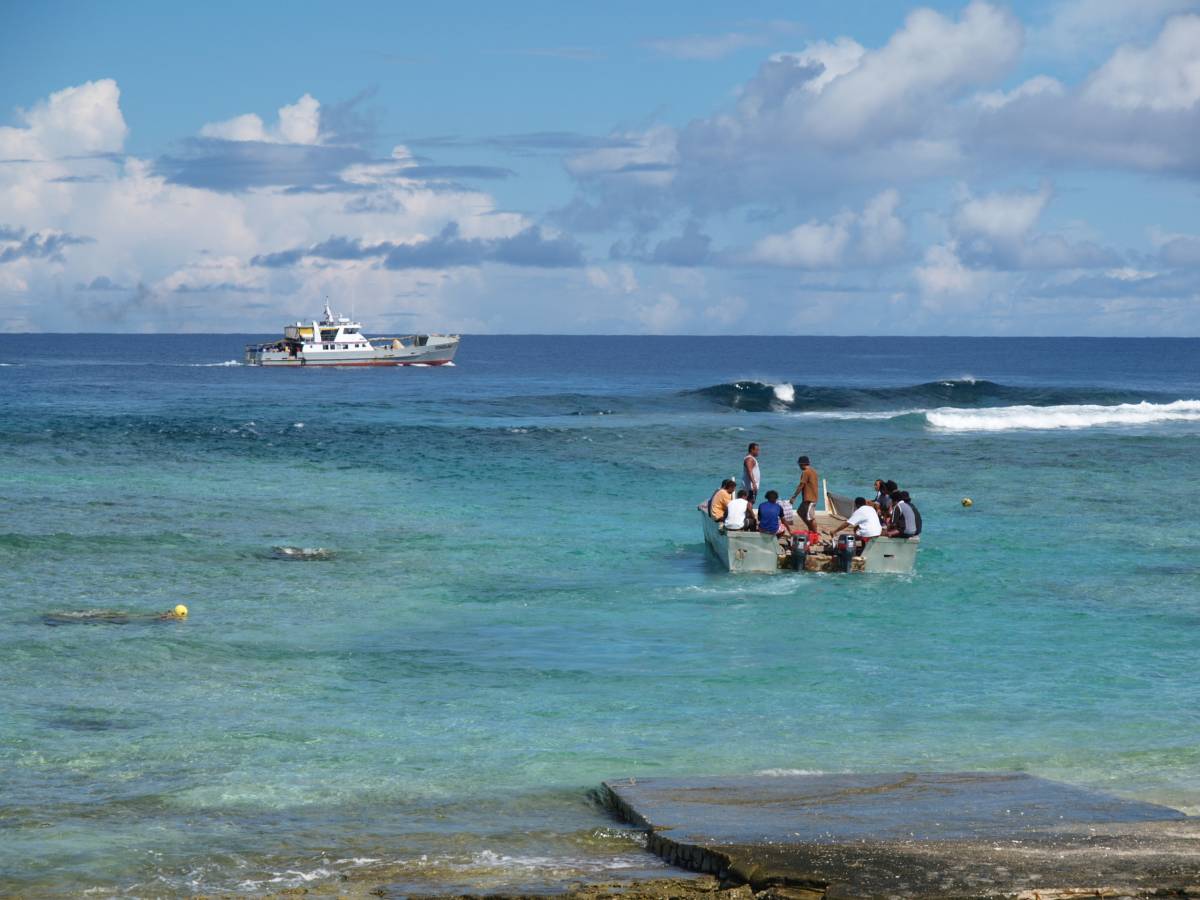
[906, 521]
[718, 503]
[864, 520]
[770, 514]
[735, 516]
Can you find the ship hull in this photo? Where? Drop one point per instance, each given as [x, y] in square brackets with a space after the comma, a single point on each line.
[438, 355]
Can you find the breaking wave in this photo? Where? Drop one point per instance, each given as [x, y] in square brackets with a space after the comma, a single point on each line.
[1011, 418]
[756, 396]
[964, 404]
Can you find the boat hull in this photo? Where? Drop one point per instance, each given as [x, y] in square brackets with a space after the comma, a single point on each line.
[430, 355]
[749, 551]
[741, 551]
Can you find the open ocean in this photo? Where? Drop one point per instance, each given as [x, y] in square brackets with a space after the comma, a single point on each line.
[519, 604]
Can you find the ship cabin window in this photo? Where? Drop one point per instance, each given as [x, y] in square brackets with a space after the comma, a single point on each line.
[328, 334]
[351, 331]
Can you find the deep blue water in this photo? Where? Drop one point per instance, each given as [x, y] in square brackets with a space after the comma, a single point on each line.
[519, 604]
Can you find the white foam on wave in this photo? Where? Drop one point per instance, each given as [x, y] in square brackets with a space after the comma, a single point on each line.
[784, 393]
[785, 773]
[228, 362]
[856, 413]
[1013, 418]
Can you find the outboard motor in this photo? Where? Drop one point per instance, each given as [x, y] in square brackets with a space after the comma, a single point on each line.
[799, 551]
[846, 547]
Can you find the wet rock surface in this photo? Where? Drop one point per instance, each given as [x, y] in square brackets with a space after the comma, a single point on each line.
[914, 835]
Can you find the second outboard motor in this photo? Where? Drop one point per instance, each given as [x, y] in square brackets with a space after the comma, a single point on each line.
[799, 551]
[845, 551]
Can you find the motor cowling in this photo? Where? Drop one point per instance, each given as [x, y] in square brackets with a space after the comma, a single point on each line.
[846, 550]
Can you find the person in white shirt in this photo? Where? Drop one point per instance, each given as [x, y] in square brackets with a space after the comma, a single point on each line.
[750, 473]
[864, 520]
[735, 515]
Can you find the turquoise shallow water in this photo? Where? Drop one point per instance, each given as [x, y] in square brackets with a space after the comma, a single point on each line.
[519, 604]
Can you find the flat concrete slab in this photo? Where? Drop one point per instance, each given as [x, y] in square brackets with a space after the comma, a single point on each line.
[913, 834]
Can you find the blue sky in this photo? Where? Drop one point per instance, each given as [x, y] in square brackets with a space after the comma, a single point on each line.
[758, 168]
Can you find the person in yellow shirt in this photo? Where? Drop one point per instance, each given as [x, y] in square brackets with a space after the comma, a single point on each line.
[718, 503]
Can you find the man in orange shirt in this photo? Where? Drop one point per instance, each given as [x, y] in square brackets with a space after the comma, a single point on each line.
[807, 490]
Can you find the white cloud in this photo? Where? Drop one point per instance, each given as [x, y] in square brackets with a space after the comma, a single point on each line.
[835, 58]
[875, 235]
[890, 89]
[1003, 217]
[1076, 26]
[943, 273]
[813, 245]
[299, 123]
[76, 120]
[996, 231]
[1164, 75]
[177, 257]
[1037, 86]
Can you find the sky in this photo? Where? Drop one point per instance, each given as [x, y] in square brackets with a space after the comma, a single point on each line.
[807, 168]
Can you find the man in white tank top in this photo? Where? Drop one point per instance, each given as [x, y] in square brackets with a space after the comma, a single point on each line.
[750, 473]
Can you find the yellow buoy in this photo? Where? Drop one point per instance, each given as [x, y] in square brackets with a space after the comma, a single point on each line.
[180, 611]
[967, 501]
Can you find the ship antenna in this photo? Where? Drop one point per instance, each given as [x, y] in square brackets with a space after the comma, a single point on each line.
[328, 311]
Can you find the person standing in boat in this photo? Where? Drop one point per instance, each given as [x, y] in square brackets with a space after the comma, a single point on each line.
[750, 473]
[807, 491]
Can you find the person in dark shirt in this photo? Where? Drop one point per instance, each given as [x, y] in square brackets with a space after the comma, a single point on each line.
[770, 514]
[906, 521]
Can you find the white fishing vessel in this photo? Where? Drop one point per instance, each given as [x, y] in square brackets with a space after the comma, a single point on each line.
[752, 551]
[338, 341]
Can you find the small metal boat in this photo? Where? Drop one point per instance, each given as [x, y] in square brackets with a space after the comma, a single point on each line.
[752, 551]
[337, 341]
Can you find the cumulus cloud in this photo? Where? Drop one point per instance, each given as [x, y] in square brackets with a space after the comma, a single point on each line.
[996, 230]
[943, 274]
[1037, 86]
[890, 90]
[175, 236]
[298, 123]
[1072, 27]
[1162, 76]
[875, 235]
[77, 120]
[1139, 110]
